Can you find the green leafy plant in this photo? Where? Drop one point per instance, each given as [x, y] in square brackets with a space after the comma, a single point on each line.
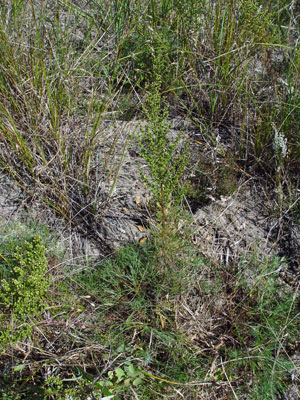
[126, 375]
[23, 287]
[165, 158]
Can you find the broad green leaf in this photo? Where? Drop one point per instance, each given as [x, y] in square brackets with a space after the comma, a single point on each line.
[19, 367]
[121, 348]
[127, 382]
[110, 374]
[137, 381]
[132, 371]
[120, 374]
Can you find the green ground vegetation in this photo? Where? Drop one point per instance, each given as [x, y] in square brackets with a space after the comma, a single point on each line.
[122, 326]
[154, 320]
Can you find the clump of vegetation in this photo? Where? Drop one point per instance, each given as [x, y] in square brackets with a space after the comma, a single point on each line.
[166, 160]
[268, 330]
[141, 327]
[23, 287]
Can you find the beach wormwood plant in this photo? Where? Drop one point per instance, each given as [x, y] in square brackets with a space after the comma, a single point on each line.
[166, 158]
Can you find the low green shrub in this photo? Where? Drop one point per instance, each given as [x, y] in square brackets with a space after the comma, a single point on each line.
[166, 159]
[23, 287]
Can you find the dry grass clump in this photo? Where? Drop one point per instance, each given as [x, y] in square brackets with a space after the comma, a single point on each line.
[53, 102]
[236, 327]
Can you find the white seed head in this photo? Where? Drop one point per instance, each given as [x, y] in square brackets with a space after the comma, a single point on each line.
[279, 143]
